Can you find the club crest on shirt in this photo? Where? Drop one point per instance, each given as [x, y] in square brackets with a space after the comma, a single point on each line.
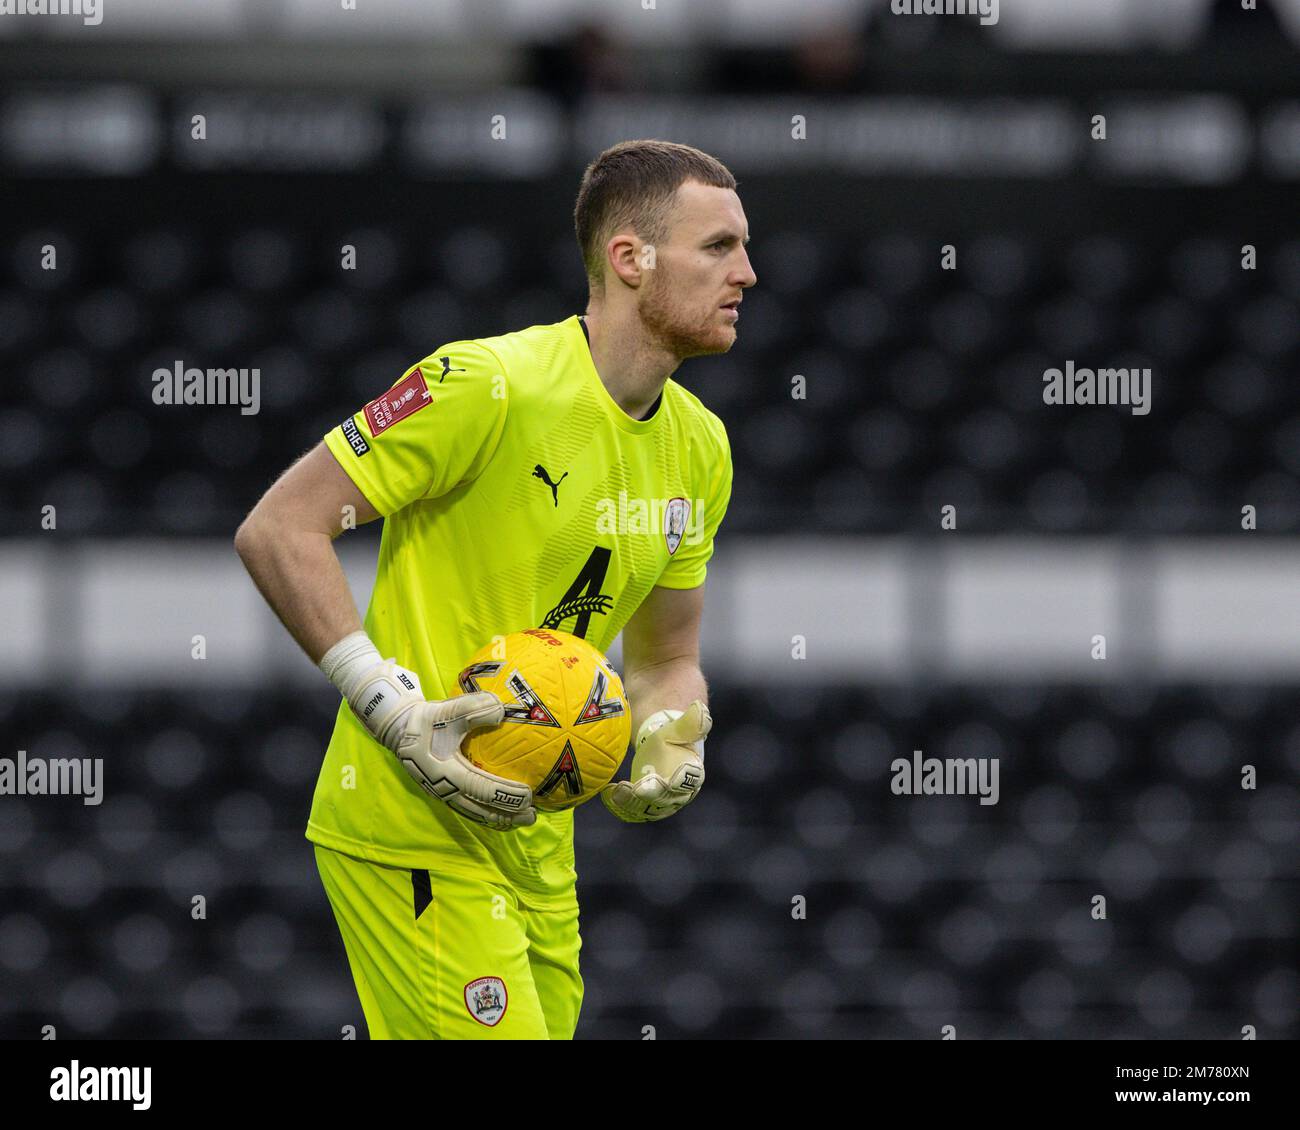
[676, 513]
[486, 1000]
[409, 395]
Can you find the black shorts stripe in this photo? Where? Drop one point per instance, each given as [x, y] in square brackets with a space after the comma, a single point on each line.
[423, 891]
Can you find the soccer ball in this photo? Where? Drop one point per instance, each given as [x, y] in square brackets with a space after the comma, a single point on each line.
[567, 723]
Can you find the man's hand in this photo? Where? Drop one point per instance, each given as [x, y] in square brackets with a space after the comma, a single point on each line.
[667, 767]
[426, 737]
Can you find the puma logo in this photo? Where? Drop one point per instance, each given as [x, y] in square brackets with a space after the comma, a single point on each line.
[446, 368]
[539, 472]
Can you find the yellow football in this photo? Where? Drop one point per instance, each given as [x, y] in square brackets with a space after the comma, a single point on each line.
[567, 723]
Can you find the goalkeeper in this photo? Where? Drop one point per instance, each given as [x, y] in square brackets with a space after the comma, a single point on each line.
[495, 463]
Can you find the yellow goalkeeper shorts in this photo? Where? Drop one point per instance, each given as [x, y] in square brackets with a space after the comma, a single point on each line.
[446, 957]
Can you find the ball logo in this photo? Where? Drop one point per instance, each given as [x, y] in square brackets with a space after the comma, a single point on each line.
[566, 772]
[545, 636]
[486, 1000]
[675, 515]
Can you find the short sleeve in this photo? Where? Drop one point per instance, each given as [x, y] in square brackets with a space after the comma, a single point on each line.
[686, 569]
[433, 430]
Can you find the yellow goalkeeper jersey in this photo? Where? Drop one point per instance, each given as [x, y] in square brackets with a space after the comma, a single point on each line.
[516, 493]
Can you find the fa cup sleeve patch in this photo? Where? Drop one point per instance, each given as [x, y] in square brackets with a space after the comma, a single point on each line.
[408, 396]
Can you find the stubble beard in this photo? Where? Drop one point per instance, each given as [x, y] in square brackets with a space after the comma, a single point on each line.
[674, 327]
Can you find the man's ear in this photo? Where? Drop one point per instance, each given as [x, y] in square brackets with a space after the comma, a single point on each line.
[626, 255]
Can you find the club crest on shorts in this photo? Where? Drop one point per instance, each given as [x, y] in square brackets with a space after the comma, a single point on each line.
[675, 515]
[486, 1000]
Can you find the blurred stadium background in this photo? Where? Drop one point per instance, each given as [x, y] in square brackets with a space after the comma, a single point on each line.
[373, 128]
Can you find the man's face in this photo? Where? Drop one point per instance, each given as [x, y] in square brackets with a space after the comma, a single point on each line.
[699, 270]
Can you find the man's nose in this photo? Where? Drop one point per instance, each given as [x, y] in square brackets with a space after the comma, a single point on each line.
[745, 276]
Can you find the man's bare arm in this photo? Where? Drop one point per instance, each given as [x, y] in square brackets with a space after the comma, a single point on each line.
[661, 653]
[286, 544]
[662, 676]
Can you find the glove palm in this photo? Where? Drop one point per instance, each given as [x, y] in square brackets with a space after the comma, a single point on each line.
[667, 768]
[426, 737]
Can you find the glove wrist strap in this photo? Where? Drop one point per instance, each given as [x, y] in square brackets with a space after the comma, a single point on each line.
[348, 660]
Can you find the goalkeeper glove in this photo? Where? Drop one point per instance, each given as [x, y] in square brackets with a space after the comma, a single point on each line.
[667, 767]
[426, 736]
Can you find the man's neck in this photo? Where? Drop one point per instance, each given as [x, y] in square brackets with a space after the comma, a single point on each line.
[633, 373]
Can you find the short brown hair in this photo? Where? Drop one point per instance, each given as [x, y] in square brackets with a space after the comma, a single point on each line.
[632, 184]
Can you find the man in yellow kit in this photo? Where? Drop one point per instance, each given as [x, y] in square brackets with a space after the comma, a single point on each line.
[506, 468]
